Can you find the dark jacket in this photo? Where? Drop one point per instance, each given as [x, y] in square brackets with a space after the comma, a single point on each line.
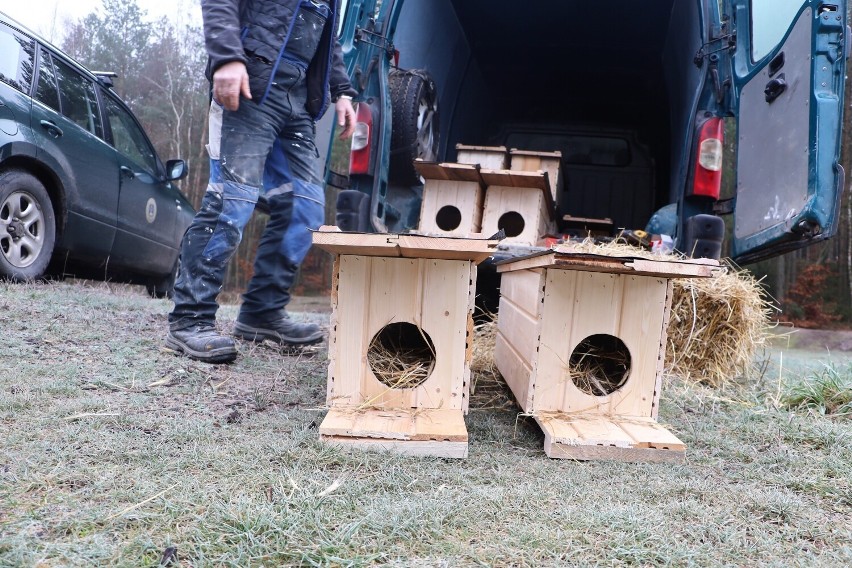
[255, 32]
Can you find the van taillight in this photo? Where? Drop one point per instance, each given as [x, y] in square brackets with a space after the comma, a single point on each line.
[359, 162]
[708, 163]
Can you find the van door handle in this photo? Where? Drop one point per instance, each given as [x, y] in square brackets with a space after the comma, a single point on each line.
[51, 127]
[775, 88]
[127, 172]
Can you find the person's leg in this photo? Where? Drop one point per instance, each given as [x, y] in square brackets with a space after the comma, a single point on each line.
[239, 144]
[292, 181]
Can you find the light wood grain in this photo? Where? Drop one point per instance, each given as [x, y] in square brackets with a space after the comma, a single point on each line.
[404, 245]
[493, 157]
[549, 162]
[631, 439]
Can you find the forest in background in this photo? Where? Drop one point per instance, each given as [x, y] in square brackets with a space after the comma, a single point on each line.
[160, 69]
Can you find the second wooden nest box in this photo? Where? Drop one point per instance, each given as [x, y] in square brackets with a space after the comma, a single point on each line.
[401, 341]
[581, 342]
[453, 197]
[519, 203]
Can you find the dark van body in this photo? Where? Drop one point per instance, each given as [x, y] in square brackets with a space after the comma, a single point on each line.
[638, 96]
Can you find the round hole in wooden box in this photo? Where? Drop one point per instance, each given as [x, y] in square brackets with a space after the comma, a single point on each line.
[448, 218]
[512, 223]
[401, 355]
[600, 365]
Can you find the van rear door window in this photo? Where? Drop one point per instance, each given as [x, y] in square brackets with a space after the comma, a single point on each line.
[770, 20]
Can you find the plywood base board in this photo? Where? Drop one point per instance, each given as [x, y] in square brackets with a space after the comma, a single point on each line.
[627, 439]
[420, 432]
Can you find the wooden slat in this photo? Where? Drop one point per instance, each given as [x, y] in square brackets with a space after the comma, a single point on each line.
[448, 171]
[523, 288]
[692, 268]
[649, 434]
[609, 438]
[408, 246]
[439, 433]
[445, 248]
[607, 222]
[516, 372]
[509, 178]
[518, 152]
[437, 425]
[519, 327]
[350, 331]
[493, 157]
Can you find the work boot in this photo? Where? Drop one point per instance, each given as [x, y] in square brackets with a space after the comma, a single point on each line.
[203, 343]
[282, 330]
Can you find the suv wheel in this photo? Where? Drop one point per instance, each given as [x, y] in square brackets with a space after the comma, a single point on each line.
[27, 226]
[414, 100]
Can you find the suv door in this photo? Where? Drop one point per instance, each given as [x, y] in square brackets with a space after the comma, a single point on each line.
[69, 126]
[788, 75]
[147, 204]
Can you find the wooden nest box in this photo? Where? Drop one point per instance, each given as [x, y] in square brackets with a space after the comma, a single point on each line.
[519, 203]
[400, 342]
[488, 157]
[453, 197]
[581, 342]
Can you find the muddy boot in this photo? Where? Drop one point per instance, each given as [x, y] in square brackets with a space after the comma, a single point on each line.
[282, 330]
[203, 343]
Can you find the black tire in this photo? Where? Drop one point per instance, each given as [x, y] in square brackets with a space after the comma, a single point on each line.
[27, 227]
[414, 100]
[164, 287]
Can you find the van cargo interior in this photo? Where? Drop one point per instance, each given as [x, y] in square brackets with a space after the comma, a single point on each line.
[609, 84]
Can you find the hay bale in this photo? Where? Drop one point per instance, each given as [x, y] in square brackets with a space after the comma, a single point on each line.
[717, 326]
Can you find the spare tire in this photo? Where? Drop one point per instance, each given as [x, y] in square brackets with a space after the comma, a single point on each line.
[414, 100]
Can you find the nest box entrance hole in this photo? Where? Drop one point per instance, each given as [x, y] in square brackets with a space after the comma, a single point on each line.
[448, 218]
[512, 223]
[600, 365]
[401, 355]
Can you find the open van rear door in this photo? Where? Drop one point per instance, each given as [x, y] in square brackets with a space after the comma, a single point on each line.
[366, 39]
[788, 79]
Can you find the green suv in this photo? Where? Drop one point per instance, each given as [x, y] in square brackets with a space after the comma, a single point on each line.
[82, 190]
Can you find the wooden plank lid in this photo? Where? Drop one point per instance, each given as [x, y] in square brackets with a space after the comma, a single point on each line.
[333, 240]
[562, 258]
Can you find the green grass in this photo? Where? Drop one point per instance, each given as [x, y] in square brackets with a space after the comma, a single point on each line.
[828, 391]
[113, 451]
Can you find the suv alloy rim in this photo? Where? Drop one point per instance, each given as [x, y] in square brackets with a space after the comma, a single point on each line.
[21, 229]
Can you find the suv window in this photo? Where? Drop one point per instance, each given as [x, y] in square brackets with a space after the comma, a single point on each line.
[17, 54]
[770, 20]
[78, 99]
[46, 92]
[128, 137]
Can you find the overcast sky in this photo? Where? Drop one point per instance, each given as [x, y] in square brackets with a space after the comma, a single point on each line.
[47, 17]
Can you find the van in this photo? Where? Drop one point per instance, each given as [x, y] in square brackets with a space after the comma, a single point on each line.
[670, 115]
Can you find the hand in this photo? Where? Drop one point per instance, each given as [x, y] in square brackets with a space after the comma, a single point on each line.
[229, 82]
[345, 117]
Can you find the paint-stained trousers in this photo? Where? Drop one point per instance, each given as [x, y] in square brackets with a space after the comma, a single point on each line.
[259, 147]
